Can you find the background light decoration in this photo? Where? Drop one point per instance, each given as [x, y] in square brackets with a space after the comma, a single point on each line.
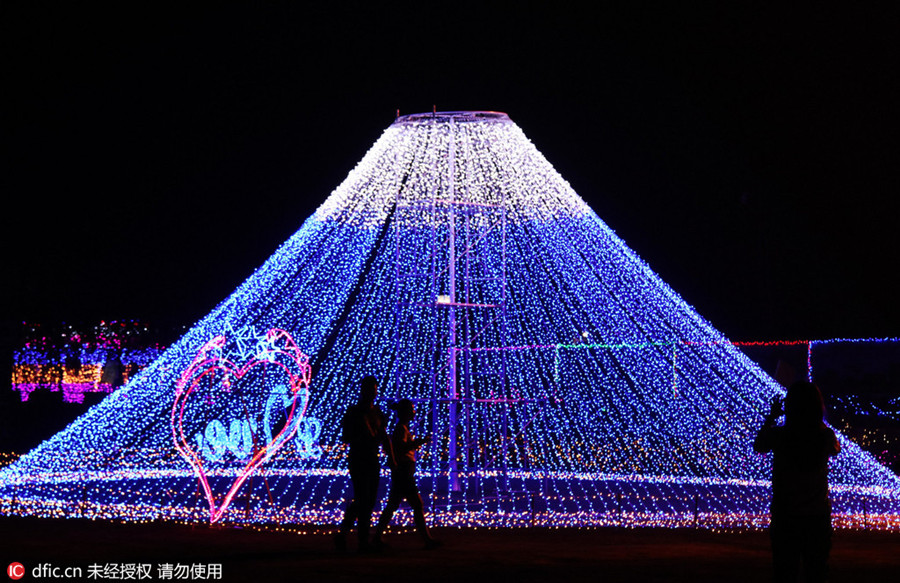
[80, 360]
[563, 382]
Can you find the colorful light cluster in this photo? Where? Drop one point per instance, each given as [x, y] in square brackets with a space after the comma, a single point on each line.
[78, 360]
[455, 251]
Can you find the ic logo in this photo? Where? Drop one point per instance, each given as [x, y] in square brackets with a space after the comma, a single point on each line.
[15, 571]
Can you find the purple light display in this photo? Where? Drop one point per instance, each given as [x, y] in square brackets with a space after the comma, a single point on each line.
[563, 382]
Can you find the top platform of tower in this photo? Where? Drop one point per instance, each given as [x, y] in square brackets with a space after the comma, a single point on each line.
[452, 116]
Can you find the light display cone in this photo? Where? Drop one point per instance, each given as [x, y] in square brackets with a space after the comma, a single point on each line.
[562, 381]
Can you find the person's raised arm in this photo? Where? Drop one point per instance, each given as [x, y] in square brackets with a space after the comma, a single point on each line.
[763, 442]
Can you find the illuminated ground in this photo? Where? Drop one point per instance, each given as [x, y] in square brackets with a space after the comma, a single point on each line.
[644, 555]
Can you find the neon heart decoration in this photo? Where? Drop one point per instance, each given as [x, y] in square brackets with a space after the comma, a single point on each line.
[214, 370]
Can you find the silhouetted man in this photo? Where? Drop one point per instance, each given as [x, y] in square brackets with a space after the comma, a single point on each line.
[364, 429]
[800, 526]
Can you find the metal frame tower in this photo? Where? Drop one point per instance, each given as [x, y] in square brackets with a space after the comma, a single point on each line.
[460, 304]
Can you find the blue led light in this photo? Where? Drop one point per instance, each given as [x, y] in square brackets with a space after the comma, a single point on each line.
[564, 383]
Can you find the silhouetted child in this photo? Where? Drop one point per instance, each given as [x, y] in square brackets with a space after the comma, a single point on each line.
[800, 527]
[403, 475]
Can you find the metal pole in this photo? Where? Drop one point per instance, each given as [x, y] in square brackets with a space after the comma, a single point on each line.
[467, 355]
[452, 379]
[504, 341]
[432, 354]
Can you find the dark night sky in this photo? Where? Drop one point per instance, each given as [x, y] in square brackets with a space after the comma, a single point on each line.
[153, 159]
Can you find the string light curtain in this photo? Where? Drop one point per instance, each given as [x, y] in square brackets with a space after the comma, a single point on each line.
[564, 383]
